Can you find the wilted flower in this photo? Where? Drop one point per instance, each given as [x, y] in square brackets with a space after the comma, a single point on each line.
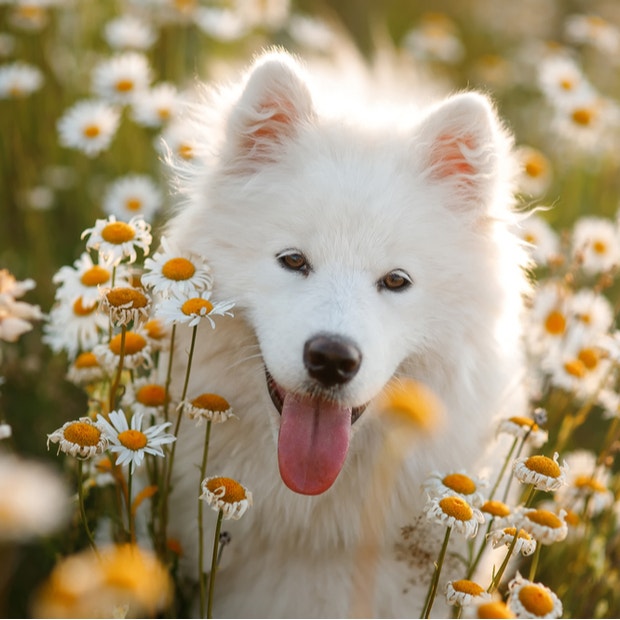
[226, 495]
[522, 427]
[455, 483]
[464, 592]
[545, 526]
[456, 513]
[524, 545]
[207, 406]
[81, 438]
[532, 600]
[125, 305]
[541, 471]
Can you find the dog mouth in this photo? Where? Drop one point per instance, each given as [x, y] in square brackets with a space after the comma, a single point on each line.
[313, 439]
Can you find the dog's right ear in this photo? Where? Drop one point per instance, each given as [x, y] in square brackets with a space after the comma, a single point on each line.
[272, 106]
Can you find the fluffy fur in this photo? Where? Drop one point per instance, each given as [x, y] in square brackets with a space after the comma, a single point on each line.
[360, 193]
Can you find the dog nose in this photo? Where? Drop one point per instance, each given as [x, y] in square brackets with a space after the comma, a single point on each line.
[331, 360]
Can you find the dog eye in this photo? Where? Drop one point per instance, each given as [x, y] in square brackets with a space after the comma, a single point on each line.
[293, 260]
[397, 280]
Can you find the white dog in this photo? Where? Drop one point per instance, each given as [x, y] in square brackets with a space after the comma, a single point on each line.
[359, 246]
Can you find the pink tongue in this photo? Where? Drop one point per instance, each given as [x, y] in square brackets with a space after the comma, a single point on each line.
[313, 443]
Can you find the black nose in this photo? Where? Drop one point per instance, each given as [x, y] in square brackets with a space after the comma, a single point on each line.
[331, 360]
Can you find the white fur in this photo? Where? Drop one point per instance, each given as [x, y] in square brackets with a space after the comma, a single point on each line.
[361, 193]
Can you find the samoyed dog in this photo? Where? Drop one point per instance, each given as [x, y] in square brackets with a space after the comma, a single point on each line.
[362, 245]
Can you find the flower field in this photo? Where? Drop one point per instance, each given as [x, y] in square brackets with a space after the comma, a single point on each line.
[93, 97]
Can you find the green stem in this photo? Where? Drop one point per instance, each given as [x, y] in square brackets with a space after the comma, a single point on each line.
[169, 371]
[534, 564]
[502, 569]
[130, 519]
[89, 534]
[503, 470]
[216, 544]
[432, 591]
[201, 577]
[507, 490]
[119, 370]
[474, 564]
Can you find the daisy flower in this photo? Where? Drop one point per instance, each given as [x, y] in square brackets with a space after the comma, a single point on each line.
[125, 304]
[586, 485]
[522, 427]
[595, 31]
[210, 407]
[173, 272]
[146, 396]
[456, 483]
[88, 126]
[137, 351]
[74, 327]
[532, 600]
[591, 311]
[128, 32]
[156, 106]
[311, 32]
[535, 172]
[493, 609]
[221, 23]
[596, 243]
[81, 438]
[435, 38]
[19, 79]
[548, 319]
[158, 335]
[541, 471]
[464, 592]
[525, 544]
[116, 241]
[29, 15]
[226, 495]
[132, 195]
[130, 442]
[495, 508]
[545, 526]
[84, 278]
[117, 79]
[543, 243]
[191, 311]
[179, 140]
[16, 317]
[34, 500]
[456, 513]
[85, 369]
[562, 80]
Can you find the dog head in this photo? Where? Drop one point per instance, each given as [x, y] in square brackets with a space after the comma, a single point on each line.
[350, 247]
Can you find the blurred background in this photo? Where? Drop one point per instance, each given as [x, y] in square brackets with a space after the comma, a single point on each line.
[50, 191]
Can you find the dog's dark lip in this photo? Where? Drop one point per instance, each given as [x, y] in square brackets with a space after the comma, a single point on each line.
[277, 397]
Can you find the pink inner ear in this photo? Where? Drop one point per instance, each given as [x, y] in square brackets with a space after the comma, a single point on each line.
[276, 121]
[447, 158]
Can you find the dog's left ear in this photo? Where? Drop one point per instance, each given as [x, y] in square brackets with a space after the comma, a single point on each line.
[273, 105]
[461, 143]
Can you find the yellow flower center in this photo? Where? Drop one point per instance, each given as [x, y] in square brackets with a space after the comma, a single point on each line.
[91, 131]
[576, 368]
[456, 507]
[544, 517]
[151, 395]
[600, 247]
[82, 434]
[79, 309]
[185, 151]
[536, 600]
[133, 343]
[178, 269]
[163, 113]
[211, 402]
[567, 83]
[132, 439]
[522, 421]
[494, 609]
[133, 204]
[233, 491]
[124, 86]
[511, 531]
[589, 357]
[572, 518]
[118, 233]
[94, 276]
[496, 508]
[86, 360]
[535, 166]
[468, 587]
[555, 323]
[543, 465]
[155, 329]
[587, 483]
[124, 295]
[529, 238]
[583, 116]
[460, 483]
[196, 305]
